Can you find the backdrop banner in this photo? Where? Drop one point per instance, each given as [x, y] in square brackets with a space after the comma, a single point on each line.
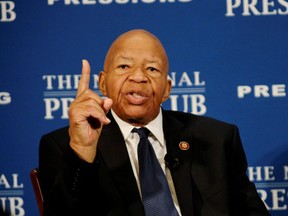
[228, 60]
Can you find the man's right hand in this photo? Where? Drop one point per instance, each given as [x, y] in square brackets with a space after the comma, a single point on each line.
[87, 115]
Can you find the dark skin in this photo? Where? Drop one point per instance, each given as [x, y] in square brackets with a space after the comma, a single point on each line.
[134, 80]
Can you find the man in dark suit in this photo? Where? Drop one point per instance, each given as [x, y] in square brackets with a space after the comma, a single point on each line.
[91, 167]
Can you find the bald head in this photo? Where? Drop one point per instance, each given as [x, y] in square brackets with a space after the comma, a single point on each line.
[137, 39]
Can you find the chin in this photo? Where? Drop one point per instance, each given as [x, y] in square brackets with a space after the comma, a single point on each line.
[139, 119]
[136, 114]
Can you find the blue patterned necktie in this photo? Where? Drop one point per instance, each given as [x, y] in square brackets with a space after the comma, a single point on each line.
[156, 195]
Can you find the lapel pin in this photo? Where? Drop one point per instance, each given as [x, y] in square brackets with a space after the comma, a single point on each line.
[184, 145]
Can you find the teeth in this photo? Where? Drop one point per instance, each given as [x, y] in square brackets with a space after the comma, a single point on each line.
[136, 95]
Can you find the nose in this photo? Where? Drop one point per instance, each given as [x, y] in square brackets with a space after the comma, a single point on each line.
[138, 75]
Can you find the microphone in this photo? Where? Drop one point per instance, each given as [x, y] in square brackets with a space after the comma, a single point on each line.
[171, 162]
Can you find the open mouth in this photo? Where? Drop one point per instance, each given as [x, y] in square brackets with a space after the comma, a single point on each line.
[137, 98]
[136, 95]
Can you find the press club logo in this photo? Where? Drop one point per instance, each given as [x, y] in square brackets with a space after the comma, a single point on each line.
[261, 91]
[7, 12]
[256, 7]
[272, 188]
[106, 2]
[5, 98]
[187, 93]
[60, 90]
[11, 194]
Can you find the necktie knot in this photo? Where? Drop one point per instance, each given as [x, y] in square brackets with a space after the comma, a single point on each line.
[142, 132]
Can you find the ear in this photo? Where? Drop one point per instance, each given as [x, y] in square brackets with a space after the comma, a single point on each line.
[167, 90]
[101, 82]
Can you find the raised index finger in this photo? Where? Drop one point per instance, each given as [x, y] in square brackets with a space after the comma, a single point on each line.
[85, 77]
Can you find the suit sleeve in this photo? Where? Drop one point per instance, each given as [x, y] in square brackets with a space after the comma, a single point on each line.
[67, 182]
[244, 199]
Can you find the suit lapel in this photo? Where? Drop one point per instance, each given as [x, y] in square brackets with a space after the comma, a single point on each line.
[182, 173]
[196, 176]
[112, 148]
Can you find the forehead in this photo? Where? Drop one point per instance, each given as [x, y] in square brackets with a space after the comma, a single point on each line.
[142, 55]
[138, 45]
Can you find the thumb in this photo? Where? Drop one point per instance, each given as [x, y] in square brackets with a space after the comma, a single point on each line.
[107, 104]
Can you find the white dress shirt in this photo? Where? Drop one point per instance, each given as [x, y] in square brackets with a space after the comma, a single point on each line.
[157, 140]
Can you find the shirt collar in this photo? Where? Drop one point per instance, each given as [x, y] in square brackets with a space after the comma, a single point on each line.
[155, 127]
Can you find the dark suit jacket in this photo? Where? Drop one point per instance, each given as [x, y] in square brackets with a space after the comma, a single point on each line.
[210, 179]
